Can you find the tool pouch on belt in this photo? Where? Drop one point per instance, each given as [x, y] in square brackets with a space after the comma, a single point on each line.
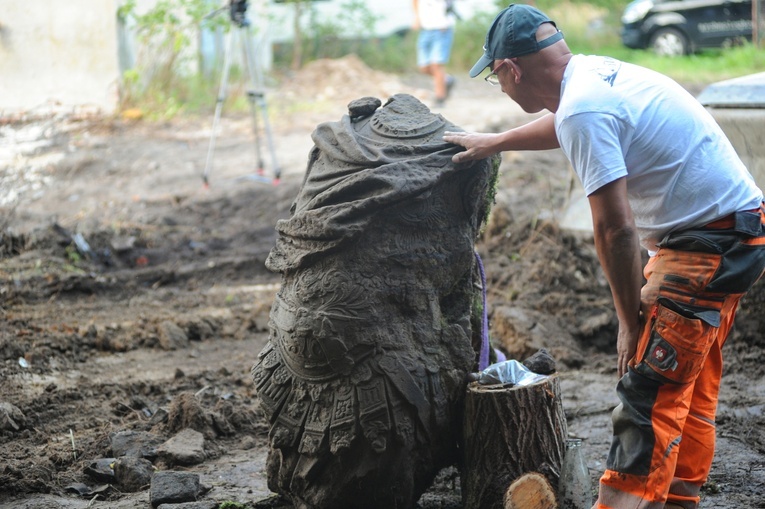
[678, 340]
[741, 247]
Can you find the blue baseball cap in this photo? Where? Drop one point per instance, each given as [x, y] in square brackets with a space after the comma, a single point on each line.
[514, 34]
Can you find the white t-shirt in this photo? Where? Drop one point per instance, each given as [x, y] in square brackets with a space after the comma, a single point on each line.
[617, 119]
[433, 15]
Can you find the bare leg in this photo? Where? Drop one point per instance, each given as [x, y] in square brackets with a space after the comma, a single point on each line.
[439, 81]
[438, 73]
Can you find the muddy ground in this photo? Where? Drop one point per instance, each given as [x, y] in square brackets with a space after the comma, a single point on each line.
[126, 285]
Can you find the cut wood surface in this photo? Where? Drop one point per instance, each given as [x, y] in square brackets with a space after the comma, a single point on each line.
[530, 491]
[509, 432]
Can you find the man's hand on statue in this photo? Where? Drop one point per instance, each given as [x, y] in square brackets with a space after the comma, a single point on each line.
[477, 145]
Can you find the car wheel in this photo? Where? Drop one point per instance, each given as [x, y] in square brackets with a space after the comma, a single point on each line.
[669, 42]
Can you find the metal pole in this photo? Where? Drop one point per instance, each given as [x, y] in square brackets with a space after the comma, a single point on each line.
[257, 93]
[251, 99]
[219, 105]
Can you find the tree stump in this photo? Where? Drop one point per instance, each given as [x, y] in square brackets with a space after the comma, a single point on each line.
[510, 431]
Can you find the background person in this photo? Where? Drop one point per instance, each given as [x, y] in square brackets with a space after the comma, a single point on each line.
[435, 20]
[659, 173]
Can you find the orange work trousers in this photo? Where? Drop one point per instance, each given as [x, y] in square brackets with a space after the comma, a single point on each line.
[664, 426]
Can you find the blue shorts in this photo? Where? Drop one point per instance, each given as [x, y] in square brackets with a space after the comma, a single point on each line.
[434, 46]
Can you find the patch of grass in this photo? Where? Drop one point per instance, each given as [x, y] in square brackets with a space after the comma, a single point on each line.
[228, 504]
[704, 67]
[586, 25]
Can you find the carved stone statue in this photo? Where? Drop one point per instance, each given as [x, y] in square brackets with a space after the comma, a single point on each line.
[376, 323]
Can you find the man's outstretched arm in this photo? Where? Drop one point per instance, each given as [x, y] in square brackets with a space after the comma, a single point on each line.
[538, 134]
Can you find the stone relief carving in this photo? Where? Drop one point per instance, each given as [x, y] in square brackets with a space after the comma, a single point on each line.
[371, 333]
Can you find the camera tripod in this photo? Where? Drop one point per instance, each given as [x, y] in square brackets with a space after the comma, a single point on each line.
[255, 95]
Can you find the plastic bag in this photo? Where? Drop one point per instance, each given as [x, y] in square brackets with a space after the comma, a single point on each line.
[508, 372]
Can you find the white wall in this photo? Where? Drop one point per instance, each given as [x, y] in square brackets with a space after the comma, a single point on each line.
[56, 54]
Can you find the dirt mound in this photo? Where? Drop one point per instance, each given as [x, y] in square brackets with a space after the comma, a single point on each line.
[545, 287]
[324, 88]
[342, 80]
[545, 290]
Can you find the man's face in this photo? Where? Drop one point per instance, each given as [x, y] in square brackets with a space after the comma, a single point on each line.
[515, 84]
[506, 77]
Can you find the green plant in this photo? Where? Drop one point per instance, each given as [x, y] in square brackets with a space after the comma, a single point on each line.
[72, 255]
[228, 504]
[491, 192]
[469, 36]
[394, 53]
[340, 35]
[587, 24]
[162, 80]
[321, 37]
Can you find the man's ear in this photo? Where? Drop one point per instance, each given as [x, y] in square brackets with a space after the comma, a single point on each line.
[515, 69]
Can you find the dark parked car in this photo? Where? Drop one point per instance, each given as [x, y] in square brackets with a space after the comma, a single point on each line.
[678, 27]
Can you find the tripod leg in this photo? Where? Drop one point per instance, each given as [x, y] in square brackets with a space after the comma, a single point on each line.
[258, 93]
[251, 95]
[218, 105]
[269, 138]
[256, 131]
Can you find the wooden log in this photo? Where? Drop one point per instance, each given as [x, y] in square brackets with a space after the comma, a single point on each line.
[530, 491]
[509, 432]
